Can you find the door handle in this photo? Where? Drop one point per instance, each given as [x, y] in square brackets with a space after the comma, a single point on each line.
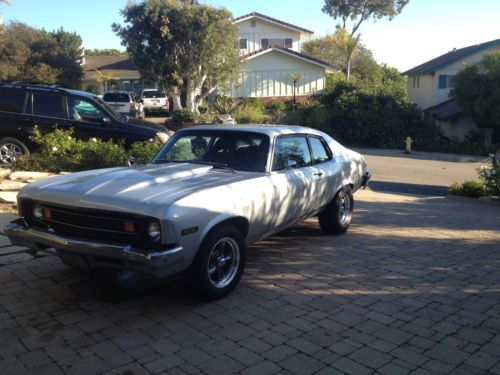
[319, 174]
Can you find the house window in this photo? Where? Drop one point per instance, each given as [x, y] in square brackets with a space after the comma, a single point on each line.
[446, 81]
[253, 23]
[281, 43]
[243, 43]
[416, 82]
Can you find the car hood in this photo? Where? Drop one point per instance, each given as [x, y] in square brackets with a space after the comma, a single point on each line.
[146, 189]
[145, 125]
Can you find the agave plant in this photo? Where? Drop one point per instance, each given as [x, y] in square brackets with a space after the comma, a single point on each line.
[223, 104]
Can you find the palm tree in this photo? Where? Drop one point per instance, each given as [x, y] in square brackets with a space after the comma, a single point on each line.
[348, 45]
[295, 78]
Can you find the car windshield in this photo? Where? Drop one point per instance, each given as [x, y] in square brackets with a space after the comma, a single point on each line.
[239, 150]
[116, 97]
[117, 116]
[152, 94]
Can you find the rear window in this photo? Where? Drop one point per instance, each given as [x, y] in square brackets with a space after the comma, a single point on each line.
[47, 105]
[153, 94]
[11, 100]
[116, 97]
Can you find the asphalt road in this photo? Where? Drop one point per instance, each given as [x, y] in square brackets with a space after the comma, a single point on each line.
[419, 173]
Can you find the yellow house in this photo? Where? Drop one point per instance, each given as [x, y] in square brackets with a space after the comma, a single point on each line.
[273, 66]
[430, 83]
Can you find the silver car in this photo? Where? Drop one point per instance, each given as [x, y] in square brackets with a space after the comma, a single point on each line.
[209, 193]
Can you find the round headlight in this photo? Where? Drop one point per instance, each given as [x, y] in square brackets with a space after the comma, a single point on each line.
[154, 230]
[37, 212]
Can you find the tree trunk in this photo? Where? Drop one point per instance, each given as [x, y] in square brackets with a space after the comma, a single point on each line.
[191, 96]
[348, 72]
[176, 98]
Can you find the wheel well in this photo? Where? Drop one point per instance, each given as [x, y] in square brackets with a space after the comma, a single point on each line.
[239, 222]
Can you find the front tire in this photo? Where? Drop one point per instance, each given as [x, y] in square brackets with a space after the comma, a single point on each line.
[337, 216]
[11, 149]
[220, 262]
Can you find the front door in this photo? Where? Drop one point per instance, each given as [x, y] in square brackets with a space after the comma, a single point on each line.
[291, 176]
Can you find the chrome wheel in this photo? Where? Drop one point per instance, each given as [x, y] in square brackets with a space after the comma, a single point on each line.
[223, 262]
[344, 208]
[9, 153]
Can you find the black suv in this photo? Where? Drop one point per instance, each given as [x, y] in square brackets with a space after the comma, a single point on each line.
[24, 106]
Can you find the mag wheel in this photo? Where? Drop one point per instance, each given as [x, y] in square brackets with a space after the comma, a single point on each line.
[337, 216]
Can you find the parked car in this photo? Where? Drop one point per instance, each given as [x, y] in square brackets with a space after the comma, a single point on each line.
[124, 102]
[209, 193]
[24, 106]
[154, 101]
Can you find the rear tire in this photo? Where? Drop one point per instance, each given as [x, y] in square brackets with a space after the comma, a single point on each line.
[219, 264]
[337, 216]
[11, 149]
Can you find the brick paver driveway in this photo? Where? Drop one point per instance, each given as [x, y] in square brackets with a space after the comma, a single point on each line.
[414, 286]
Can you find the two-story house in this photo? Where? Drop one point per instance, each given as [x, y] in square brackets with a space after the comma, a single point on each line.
[430, 83]
[270, 49]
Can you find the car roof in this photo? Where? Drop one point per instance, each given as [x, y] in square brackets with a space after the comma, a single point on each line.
[117, 92]
[46, 88]
[270, 130]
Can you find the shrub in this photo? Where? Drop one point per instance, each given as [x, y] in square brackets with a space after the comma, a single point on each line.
[249, 115]
[184, 115]
[472, 189]
[490, 176]
[253, 103]
[145, 151]
[223, 104]
[279, 105]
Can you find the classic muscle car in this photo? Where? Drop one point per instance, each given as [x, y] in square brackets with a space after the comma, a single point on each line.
[209, 193]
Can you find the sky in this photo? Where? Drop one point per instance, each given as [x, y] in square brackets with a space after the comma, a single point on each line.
[424, 30]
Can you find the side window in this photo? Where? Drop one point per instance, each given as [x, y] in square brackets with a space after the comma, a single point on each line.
[291, 150]
[11, 100]
[48, 105]
[319, 150]
[83, 110]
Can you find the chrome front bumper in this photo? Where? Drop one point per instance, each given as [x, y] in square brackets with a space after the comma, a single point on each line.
[90, 254]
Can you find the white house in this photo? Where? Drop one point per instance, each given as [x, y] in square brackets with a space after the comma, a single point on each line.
[430, 83]
[271, 54]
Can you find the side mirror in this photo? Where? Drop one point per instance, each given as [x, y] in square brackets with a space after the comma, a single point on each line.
[106, 121]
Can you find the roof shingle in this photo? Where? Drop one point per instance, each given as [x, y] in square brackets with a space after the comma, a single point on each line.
[447, 110]
[119, 65]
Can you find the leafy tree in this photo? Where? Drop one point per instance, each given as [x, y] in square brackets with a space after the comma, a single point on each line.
[181, 46]
[30, 54]
[353, 13]
[105, 51]
[477, 91]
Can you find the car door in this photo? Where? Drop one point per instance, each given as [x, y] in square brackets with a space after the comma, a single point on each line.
[325, 173]
[47, 109]
[89, 120]
[291, 178]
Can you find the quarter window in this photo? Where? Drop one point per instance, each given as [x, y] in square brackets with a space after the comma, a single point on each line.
[12, 100]
[291, 152]
[47, 105]
[319, 151]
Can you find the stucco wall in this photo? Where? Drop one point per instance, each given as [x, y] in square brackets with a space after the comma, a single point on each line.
[421, 95]
[458, 129]
[268, 75]
[265, 30]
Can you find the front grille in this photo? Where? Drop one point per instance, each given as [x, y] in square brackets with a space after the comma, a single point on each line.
[91, 224]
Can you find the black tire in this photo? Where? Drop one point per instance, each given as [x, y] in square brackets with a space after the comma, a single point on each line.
[11, 149]
[337, 216]
[222, 242]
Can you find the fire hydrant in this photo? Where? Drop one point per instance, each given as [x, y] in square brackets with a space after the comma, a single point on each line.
[408, 143]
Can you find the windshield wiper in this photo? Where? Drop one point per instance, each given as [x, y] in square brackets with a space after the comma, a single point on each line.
[215, 165]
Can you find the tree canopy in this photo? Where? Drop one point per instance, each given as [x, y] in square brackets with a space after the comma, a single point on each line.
[104, 51]
[186, 48]
[38, 56]
[353, 13]
[477, 90]
[358, 11]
